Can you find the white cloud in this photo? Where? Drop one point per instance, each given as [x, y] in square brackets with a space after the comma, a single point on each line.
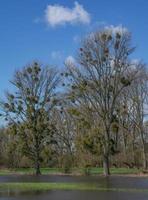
[56, 55]
[60, 15]
[70, 59]
[117, 29]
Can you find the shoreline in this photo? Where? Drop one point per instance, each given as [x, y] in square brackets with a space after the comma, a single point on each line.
[127, 172]
[75, 174]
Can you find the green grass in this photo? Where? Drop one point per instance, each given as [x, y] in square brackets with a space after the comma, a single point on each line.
[125, 171]
[30, 187]
[116, 171]
[93, 171]
[43, 170]
[29, 171]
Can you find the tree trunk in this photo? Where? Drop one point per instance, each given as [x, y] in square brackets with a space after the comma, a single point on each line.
[37, 167]
[144, 159]
[106, 167]
[144, 151]
[37, 161]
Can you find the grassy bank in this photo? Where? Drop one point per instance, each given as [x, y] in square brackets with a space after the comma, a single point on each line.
[32, 187]
[74, 171]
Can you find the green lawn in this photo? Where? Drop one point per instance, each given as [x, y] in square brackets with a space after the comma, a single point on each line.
[116, 171]
[93, 171]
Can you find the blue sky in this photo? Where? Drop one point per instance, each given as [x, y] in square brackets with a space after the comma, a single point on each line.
[30, 30]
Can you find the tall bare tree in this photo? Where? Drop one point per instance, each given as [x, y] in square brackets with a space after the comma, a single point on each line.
[100, 76]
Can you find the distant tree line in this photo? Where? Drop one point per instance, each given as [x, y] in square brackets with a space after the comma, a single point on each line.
[93, 113]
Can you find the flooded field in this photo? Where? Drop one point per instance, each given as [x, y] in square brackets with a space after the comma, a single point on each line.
[114, 182]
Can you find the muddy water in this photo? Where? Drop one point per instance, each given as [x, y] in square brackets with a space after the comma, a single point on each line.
[111, 182]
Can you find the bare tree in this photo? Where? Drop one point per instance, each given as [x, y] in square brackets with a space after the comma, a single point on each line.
[100, 76]
[28, 109]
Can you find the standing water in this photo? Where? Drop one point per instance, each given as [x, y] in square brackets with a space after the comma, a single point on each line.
[136, 183]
